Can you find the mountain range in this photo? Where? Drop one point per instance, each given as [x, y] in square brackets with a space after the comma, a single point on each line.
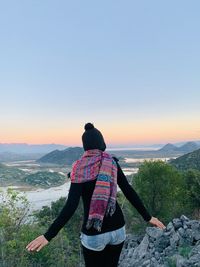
[62, 155]
[69, 155]
[21, 148]
[185, 148]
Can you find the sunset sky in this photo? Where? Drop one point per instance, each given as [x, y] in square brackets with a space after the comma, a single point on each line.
[130, 67]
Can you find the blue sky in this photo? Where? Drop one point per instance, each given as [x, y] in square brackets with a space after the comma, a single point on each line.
[120, 64]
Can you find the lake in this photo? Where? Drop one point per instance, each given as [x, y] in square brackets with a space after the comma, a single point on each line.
[43, 197]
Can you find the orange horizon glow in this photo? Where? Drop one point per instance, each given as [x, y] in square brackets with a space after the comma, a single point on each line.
[148, 132]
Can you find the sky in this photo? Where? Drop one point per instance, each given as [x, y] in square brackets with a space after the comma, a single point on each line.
[130, 67]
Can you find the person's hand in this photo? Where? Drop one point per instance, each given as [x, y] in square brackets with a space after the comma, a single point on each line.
[37, 243]
[154, 221]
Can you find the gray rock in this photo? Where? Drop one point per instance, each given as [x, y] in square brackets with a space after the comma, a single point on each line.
[157, 247]
[162, 242]
[177, 223]
[194, 260]
[185, 226]
[154, 232]
[152, 250]
[154, 262]
[169, 251]
[196, 235]
[181, 231]
[179, 260]
[170, 232]
[170, 226]
[189, 236]
[182, 241]
[195, 225]
[195, 250]
[174, 239]
[151, 239]
[146, 263]
[157, 255]
[184, 218]
[141, 250]
[151, 245]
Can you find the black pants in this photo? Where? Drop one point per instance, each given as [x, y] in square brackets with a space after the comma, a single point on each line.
[108, 257]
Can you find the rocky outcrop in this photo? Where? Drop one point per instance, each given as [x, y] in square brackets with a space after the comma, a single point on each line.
[177, 245]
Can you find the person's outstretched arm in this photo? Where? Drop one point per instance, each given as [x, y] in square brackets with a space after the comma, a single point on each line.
[63, 217]
[134, 199]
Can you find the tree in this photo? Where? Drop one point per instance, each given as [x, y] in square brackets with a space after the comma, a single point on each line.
[16, 232]
[192, 188]
[71, 230]
[160, 187]
[14, 208]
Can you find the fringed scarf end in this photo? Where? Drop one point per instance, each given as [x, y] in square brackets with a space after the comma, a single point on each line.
[111, 208]
[96, 223]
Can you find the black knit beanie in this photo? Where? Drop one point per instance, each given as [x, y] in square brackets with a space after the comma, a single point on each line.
[92, 138]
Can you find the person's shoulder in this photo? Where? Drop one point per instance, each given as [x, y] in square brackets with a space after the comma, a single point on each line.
[115, 159]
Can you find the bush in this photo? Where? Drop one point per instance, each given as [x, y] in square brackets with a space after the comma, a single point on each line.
[192, 189]
[63, 250]
[161, 188]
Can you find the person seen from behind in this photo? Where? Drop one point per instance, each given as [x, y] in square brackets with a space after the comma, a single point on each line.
[94, 178]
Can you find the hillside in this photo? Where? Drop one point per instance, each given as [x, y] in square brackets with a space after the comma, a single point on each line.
[188, 161]
[62, 157]
[45, 179]
[11, 175]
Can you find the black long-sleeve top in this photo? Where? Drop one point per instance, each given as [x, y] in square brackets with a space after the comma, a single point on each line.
[85, 190]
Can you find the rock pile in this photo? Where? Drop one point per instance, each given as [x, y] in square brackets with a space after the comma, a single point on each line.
[178, 245]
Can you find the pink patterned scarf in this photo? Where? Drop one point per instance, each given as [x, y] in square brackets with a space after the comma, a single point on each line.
[96, 164]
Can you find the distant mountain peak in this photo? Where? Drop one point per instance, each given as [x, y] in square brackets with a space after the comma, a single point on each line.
[168, 147]
[185, 148]
[62, 157]
[189, 146]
